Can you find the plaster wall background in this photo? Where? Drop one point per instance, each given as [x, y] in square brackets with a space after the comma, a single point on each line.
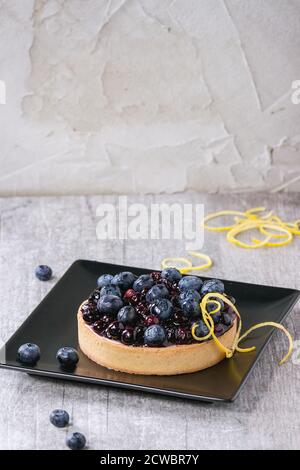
[114, 96]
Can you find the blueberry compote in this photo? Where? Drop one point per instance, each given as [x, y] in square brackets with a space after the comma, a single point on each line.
[155, 310]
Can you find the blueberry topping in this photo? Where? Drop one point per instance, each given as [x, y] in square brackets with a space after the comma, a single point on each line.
[43, 272]
[138, 334]
[29, 353]
[182, 335]
[201, 329]
[110, 304]
[219, 329]
[212, 285]
[76, 441]
[211, 306]
[190, 308]
[179, 319]
[99, 326]
[110, 290]
[154, 335]
[127, 315]
[144, 281]
[162, 308]
[59, 418]
[114, 330]
[155, 309]
[156, 276]
[104, 280]
[171, 334]
[67, 357]
[89, 312]
[227, 318]
[142, 308]
[127, 336]
[171, 274]
[95, 296]
[190, 283]
[123, 280]
[151, 320]
[189, 294]
[159, 291]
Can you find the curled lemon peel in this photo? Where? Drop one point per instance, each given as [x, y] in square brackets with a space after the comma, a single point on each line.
[238, 337]
[275, 325]
[173, 262]
[220, 214]
[196, 254]
[270, 225]
[218, 306]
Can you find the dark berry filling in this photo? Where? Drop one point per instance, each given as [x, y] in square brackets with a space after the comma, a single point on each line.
[155, 310]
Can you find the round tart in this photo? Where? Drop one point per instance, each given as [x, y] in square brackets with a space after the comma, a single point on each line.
[157, 324]
[170, 360]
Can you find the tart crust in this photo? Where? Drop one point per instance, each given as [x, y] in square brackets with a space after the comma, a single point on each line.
[171, 360]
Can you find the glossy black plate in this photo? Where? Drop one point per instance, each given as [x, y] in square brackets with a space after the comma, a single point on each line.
[53, 324]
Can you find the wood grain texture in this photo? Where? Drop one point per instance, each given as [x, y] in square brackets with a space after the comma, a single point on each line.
[56, 231]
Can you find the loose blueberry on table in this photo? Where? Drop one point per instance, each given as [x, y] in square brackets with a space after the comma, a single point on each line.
[155, 310]
[43, 272]
[59, 418]
[67, 357]
[29, 353]
[76, 441]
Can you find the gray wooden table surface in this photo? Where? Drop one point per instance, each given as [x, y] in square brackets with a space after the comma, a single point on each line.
[56, 231]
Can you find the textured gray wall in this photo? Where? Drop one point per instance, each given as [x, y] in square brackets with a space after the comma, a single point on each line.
[149, 96]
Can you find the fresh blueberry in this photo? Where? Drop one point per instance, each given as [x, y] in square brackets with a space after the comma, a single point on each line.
[201, 329]
[211, 306]
[227, 319]
[29, 353]
[110, 290]
[189, 294]
[127, 336]
[67, 357]
[104, 280]
[216, 317]
[182, 335]
[95, 296]
[190, 308]
[110, 304]
[171, 274]
[190, 283]
[76, 441]
[123, 280]
[212, 285]
[43, 272]
[159, 291]
[127, 315]
[89, 312]
[162, 308]
[144, 281]
[154, 335]
[59, 418]
[138, 334]
[114, 330]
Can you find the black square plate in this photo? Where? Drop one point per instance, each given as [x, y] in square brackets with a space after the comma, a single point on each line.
[53, 324]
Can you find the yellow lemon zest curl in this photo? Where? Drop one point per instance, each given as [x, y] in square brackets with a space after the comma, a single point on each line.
[238, 337]
[173, 262]
[276, 231]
